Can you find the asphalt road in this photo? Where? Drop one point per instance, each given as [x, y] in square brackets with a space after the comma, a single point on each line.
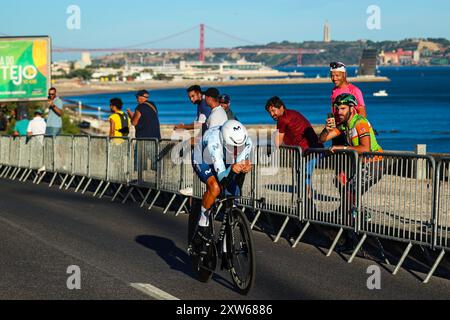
[44, 231]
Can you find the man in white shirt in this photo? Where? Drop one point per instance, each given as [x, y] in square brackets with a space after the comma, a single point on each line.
[218, 115]
[37, 126]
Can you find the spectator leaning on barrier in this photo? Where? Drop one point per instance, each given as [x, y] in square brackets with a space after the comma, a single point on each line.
[119, 120]
[225, 102]
[22, 122]
[54, 122]
[360, 138]
[293, 129]
[203, 110]
[359, 133]
[145, 118]
[37, 126]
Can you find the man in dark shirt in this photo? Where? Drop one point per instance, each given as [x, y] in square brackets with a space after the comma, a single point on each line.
[225, 102]
[293, 128]
[145, 118]
[203, 110]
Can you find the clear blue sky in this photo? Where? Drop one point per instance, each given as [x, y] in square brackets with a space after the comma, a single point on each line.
[121, 23]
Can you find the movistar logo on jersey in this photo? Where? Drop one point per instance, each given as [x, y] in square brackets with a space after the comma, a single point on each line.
[237, 128]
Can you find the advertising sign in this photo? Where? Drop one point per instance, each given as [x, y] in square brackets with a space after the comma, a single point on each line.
[25, 64]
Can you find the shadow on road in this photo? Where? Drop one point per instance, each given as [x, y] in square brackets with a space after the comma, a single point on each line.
[176, 258]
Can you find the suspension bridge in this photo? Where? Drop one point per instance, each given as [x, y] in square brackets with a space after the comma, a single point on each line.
[250, 46]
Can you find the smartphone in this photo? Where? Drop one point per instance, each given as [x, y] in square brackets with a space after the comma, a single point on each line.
[331, 116]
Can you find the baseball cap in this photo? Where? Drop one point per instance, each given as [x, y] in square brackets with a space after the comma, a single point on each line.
[40, 111]
[141, 93]
[225, 98]
[212, 92]
[338, 66]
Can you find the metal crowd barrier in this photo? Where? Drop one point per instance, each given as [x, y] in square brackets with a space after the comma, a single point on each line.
[98, 158]
[80, 163]
[118, 160]
[144, 166]
[329, 182]
[442, 231]
[63, 147]
[442, 217]
[400, 197]
[14, 156]
[397, 198]
[276, 185]
[118, 164]
[49, 154]
[5, 142]
[37, 152]
[143, 169]
[170, 169]
[24, 152]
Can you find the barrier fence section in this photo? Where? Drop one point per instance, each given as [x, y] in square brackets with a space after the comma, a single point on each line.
[397, 197]
[144, 170]
[5, 142]
[331, 181]
[49, 154]
[63, 154]
[118, 169]
[24, 152]
[442, 227]
[277, 180]
[37, 152]
[98, 158]
[169, 170]
[81, 156]
[14, 155]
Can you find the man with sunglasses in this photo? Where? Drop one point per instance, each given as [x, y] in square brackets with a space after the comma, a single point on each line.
[54, 122]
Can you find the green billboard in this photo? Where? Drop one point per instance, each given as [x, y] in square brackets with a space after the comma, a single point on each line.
[24, 68]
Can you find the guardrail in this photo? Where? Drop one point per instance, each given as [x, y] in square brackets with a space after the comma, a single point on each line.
[395, 196]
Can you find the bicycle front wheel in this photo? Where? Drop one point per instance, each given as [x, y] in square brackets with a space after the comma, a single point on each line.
[242, 253]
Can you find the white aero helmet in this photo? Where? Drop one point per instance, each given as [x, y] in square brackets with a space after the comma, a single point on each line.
[234, 133]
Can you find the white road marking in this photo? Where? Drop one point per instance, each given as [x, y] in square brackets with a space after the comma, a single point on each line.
[153, 291]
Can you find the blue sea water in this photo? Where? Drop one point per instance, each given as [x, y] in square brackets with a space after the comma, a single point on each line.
[417, 110]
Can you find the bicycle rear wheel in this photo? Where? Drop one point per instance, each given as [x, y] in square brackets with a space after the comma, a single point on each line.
[242, 252]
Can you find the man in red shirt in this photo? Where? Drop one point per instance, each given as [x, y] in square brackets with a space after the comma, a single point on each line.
[293, 128]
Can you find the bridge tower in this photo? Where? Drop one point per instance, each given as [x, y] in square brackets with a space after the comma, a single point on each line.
[202, 43]
[299, 57]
